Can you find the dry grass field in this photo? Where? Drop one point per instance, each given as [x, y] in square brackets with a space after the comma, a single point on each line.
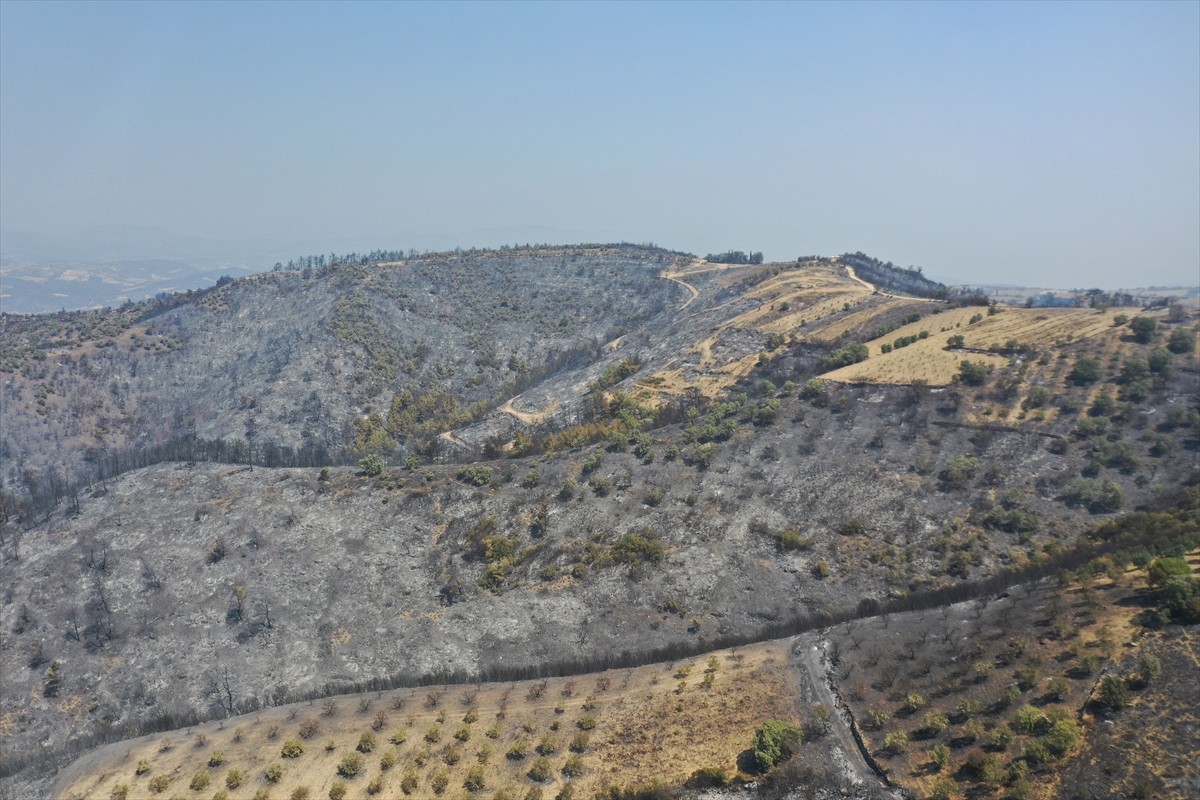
[928, 360]
[660, 722]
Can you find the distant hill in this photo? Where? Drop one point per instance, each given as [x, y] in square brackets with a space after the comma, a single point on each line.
[41, 287]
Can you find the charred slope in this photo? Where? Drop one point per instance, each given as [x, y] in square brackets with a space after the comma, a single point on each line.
[295, 358]
[175, 583]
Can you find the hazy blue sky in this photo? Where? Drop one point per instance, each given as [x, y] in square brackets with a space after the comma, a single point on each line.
[1044, 144]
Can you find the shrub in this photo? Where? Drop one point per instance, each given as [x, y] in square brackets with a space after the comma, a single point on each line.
[1098, 497]
[935, 723]
[548, 745]
[1029, 720]
[366, 743]
[474, 781]
[573, 767]
[540, 770]
[301, 793]
[120, 791]
[775, 741]
[273, 773]
[233, 778]
[1063, 735]
[586, 722]
[337, 791]
[943, 789]
[216, 759]
[569, 489]
[434, 734]
[371, 465]
[159, 783]
[388, 760]
[915, 702]
[895, 742]
[143, 766]
[292, 748]
[375, 786]
[399, 736]
[409, 783]
[959, 472]
[1058, 688]
[350, 765]
[940, 755]
[519, 749]
[475, 475]
[439, 781]
[200, 781]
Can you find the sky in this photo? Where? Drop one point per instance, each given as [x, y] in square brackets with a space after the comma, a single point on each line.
[1042, 144]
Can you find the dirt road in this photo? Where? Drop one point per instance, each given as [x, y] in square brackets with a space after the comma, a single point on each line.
[808, 657]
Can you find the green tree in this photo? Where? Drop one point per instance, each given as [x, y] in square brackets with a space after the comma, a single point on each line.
[775, 741]
[1086, 371]
[371, 465]
[1162, 570]
[1143, 328]
[972, 373]
[1114, 692]
[1182, 341]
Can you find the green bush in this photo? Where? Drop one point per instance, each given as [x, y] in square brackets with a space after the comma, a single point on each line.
[159, 783]
[200, 781]
[292, 748]
[337, 791]
[273, 773]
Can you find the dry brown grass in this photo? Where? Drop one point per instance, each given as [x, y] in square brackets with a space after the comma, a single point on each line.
[650, 724]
